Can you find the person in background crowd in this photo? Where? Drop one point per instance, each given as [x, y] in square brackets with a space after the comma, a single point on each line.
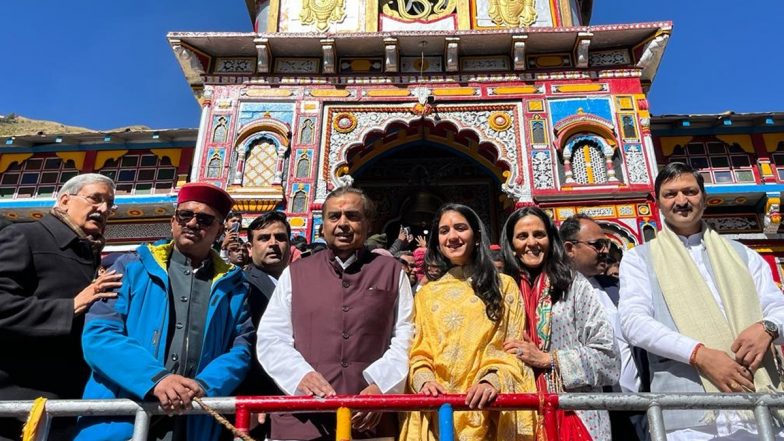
[587, 248]
[178, 329]
[236, 252]
[569, 342]
[230, 234]
[706, 310]
[339, 322]
[404, 238]
[406, 258]
[269, 241]
[48, 279]
[462, 318]
[497, 257]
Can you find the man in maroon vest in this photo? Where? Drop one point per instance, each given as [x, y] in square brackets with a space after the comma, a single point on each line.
[339, 322]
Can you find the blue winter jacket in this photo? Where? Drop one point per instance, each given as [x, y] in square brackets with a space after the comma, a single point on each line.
[124, 341]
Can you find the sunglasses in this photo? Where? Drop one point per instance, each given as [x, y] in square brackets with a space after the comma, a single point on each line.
[203, 220]
[598, 244]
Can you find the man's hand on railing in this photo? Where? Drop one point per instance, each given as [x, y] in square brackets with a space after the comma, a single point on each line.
[724, 372]
[175, 392]
[315, 384]
[364, 421]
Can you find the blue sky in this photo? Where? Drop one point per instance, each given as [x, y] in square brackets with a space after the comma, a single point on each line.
[104, 64]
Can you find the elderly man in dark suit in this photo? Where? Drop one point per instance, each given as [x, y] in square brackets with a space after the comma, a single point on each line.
[48, 279]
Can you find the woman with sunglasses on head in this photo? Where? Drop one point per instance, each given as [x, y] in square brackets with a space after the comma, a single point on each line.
[568, 341]
[462, 317]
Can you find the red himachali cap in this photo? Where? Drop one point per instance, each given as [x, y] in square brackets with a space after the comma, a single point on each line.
[215, 197]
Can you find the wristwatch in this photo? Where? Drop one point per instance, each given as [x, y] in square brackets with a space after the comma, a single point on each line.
[771, 328]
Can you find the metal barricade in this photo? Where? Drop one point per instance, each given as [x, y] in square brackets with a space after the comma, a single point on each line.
[243, 407]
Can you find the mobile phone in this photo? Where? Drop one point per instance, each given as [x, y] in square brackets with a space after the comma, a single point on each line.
[407, 230]
[235, 228]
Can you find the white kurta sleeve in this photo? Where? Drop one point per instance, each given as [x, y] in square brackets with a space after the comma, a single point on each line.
[275, 340]
[771, 298]
[389, 372]
[635, 309]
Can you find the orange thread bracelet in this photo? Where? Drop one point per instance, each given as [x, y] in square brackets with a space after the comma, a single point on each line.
[693, 357]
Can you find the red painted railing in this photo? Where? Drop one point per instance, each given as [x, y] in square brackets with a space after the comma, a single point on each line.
[546, 404]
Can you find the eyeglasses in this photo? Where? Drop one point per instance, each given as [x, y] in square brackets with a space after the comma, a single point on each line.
[97, 200]
[204, 220]
[598, 244]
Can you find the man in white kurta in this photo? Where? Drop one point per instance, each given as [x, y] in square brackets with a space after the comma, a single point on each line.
[316, 335]
[683, 363]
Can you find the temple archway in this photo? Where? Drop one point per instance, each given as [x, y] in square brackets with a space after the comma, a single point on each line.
[409, 170]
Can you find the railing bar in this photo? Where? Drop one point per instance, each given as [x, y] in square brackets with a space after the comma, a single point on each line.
[141, 425]
[764, 422]
[656, 423]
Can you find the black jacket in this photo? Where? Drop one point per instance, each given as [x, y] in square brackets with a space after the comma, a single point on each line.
[43, 266]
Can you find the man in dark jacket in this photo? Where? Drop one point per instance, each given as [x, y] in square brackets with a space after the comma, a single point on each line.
[48, 280]
[269, 242]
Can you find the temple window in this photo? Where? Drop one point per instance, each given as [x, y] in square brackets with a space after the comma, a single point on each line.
[306, 133]
[718, 162]
[141, 174]
[36, 177]
[220, 131]
[778, 161]
[261, 164]
[303, 166]
[214, 166]
[628, 127]
[299, 203]
[588, 160]
[538, 132]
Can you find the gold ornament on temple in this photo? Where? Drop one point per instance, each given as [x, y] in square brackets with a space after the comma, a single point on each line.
[513, 12]
[322, 12]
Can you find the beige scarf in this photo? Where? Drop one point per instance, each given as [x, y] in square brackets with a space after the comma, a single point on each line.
[693, 307]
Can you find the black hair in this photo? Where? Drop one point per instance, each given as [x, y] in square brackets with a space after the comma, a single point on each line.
[300, 242]
[570, 228]
[484, 280]
[554, 265]
[266, 219]
[369, 208]
[672, 171]
[232, 215]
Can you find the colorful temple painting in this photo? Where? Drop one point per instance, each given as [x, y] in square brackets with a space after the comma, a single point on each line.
[493, 103]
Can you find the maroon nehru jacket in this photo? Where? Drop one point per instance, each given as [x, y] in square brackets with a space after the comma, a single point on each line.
[206, 193]
[343, 321]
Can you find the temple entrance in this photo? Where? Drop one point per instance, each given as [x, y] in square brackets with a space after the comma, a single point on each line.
[409, 183]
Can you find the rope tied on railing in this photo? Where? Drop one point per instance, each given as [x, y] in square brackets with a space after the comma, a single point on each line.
[223, 421]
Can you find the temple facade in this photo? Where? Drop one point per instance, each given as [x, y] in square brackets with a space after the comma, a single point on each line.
[496, 104]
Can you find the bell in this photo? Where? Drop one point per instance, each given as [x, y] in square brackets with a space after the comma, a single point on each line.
[420, 208]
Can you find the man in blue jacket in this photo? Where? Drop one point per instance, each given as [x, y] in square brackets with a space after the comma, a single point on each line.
[179, 327]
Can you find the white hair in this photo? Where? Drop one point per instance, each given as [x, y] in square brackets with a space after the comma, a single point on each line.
[75, 184]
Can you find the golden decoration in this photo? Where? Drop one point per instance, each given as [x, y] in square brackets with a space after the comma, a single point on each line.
[322, 12]
[514, 13]
[426, 10]
[345, 122]
[499, 121]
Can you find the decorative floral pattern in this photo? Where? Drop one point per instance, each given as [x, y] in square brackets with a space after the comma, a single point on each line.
[635, 164]
[543, 170]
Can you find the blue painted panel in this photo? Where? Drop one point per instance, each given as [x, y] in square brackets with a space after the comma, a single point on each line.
[560, 109]
[250, 112]
[120, 200]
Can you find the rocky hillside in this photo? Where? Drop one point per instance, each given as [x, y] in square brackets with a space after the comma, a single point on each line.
[15, 125]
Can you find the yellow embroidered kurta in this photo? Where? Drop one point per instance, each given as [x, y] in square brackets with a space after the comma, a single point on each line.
[457, 345]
